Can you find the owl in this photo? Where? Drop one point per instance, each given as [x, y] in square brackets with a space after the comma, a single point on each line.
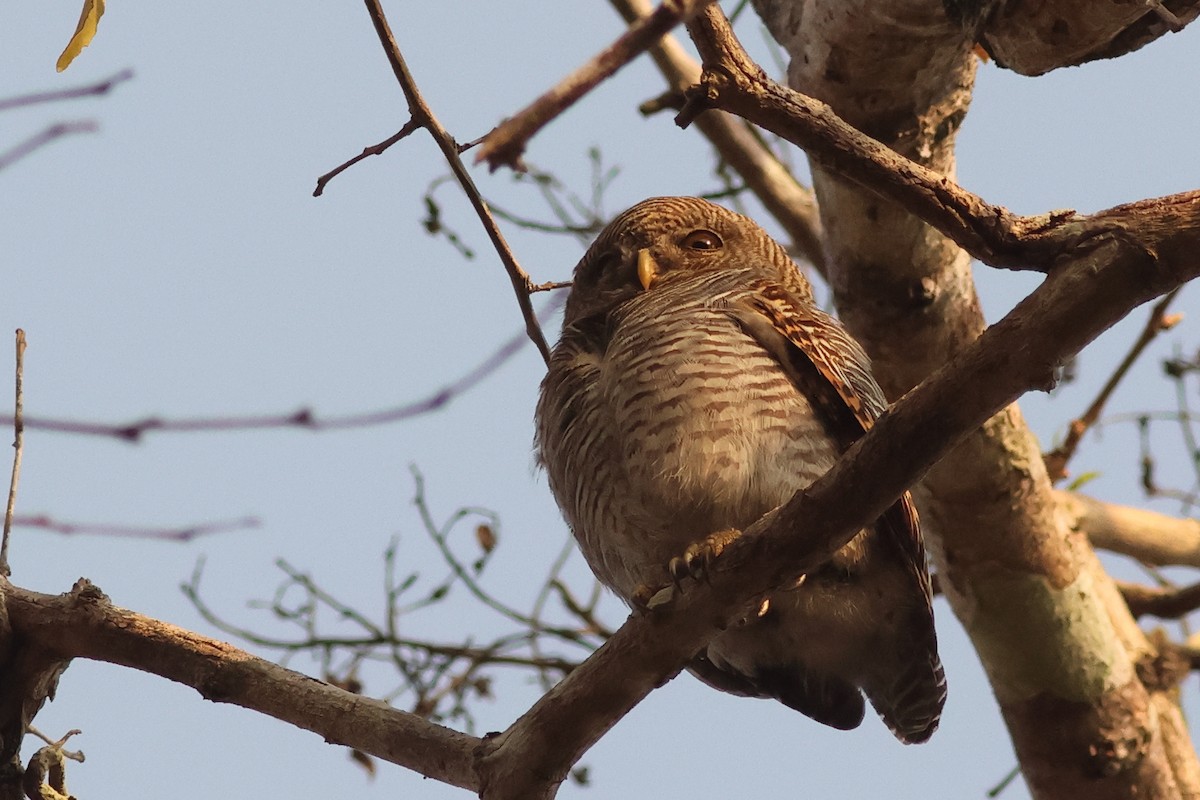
[695, 387]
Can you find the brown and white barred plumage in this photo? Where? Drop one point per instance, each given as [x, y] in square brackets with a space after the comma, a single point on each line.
[702, 402]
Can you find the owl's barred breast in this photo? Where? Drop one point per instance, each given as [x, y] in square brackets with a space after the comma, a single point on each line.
[709, 432]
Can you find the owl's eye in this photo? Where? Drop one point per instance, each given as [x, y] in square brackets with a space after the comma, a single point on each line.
[702, 240]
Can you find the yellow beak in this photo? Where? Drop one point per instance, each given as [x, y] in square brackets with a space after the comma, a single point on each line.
[647, 269]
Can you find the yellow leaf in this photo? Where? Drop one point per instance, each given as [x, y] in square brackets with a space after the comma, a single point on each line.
[88, 20]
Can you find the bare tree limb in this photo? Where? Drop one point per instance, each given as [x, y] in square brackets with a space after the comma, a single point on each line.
[423, 114]
[1145, 535]
[1023, 587]
[1033, 38]
[98, 88]
[10, 506]
[504, 145]
[370, 150]
[994, 235]
[1058, 458]
[1161, 602]
[305, 418]
[43, 138]
[176, 534]
[83, 623]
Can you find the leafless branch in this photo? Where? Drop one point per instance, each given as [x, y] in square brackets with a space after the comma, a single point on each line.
[1058, 458]
[87, 625]
[422, 116]
[18, 450]
[1147, 536]
[175, 534]
[1162, 602]
[304, 418]
[734, 83]
[98, 88]
[43, 138]
[504, 145]
[371, 150]
[436, 677]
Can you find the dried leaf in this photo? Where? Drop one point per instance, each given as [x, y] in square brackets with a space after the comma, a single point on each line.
[88, 20]
[486, 537]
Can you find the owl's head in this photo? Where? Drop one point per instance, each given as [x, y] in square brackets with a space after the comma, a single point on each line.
[665, 236]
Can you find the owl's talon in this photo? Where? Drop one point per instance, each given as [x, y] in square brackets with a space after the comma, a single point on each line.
[646, 598]
[696, 562]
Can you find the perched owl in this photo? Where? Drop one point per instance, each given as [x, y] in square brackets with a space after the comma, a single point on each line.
[696, 387]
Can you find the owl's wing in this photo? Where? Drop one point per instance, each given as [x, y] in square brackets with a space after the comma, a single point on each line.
[833, 372]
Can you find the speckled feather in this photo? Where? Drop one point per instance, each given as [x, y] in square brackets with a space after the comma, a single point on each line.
[702, 403]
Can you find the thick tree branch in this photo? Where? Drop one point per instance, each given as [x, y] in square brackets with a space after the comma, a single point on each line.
[1148, 536]
[1033, 38]
[84, 624]
[994, 235]
[1161, 602]
[1052, 632]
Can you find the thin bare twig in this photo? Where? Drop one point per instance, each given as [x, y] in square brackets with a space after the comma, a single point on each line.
[424, 117]
[305, 418]
[504, 145]
[43, 138]
[372, 150]
[18, 451]
[182, 534]
[100, 87]
[1058, 458]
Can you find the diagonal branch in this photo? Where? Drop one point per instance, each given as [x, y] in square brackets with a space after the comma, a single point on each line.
[1057, 459]
[424, 117]
[994, 235]
[505, 144]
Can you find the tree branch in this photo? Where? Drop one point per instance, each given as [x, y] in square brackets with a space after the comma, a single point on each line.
[994, 235]
[504, 145]
[1034, 38]
[423, 114]
[98, 88]
[305, 418]
[1148, 536]
[1058, 458]
[83, 623]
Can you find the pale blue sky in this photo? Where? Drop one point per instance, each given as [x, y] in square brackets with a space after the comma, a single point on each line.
[176, 264]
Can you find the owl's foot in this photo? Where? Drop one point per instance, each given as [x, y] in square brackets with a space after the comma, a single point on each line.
[697, 560]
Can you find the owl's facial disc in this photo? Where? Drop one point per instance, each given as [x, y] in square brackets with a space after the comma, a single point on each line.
[647, 268]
